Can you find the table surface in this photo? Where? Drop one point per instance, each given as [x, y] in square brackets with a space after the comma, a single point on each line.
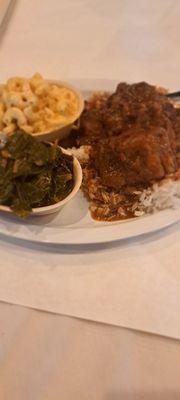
[46, 356]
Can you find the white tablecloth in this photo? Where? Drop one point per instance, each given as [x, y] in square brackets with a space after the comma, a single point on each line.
[48, 357]
[45, 356]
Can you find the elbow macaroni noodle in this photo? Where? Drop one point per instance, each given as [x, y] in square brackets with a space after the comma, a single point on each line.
[35, 105]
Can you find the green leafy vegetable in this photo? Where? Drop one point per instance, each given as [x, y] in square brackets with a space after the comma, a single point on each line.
[33, 174]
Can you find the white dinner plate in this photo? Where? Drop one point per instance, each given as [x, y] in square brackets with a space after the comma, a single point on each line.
[73, 224]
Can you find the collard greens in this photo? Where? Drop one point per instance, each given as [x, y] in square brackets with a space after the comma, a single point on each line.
[33, 174]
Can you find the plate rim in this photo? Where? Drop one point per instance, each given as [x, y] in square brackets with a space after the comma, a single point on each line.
[46, 240]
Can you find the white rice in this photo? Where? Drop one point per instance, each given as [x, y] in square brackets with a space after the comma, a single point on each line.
[159, 197]
[81, 153]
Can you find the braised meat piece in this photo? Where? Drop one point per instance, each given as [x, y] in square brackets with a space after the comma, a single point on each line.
[135, 158]
[138, 105]
[91, 122]
[134, 133]
[91, 128]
